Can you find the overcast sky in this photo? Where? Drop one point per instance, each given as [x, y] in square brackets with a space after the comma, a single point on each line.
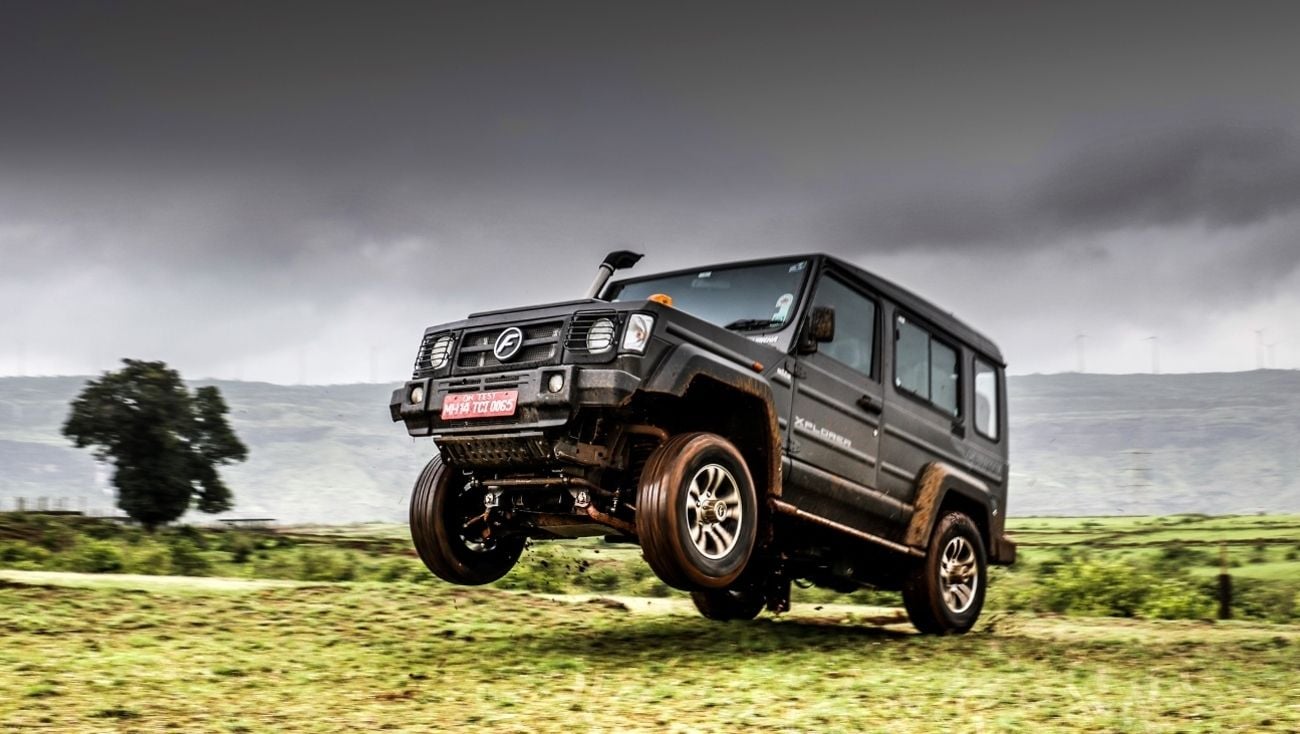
[292, 192]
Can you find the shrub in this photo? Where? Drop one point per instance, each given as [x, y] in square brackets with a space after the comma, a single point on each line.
[1095, 587]
[96, 557]
[395, 570]
[319, 565]
[1180, 556]
[192, 534]
[55, 536]
[1178, 599]
[240, 547]
[275, 566]
[19, 554]
[186, 559]
[1259, 554]
[1271, 601]
[1112, 588]
[151, 560]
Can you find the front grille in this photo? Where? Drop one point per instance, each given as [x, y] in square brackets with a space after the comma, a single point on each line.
[591, 329]
[428, 355]
[494, 450]
[541, 345]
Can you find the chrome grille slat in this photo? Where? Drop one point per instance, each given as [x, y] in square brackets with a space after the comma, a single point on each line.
[541, 345]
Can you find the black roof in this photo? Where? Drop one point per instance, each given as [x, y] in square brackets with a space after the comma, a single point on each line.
[913, 303]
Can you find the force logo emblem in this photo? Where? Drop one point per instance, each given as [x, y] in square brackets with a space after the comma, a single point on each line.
[508, 344]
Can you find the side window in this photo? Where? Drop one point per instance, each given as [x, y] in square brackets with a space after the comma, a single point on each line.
[855, 325]
[912, 365]
[986, 399]
[943, 377]
[925, 366]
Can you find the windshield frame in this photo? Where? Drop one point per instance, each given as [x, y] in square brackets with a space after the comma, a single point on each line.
[610, 292]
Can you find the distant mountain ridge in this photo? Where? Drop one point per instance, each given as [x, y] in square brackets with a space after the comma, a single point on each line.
[1081, 444]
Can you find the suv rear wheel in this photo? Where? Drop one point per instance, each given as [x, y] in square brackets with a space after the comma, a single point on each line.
[697, 512]
[723, 605]
[944, 592]
[441, 509]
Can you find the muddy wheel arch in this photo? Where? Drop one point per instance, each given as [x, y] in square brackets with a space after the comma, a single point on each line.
[940, 484]
[698, 376]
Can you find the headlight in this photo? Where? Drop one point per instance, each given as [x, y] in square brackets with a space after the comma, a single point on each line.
[440, 352]
[600, 337]
[637, 335]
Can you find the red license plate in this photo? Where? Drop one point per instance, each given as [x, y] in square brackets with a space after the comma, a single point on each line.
[460, 406]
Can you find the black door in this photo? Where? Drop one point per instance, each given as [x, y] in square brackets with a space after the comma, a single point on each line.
[835, 421]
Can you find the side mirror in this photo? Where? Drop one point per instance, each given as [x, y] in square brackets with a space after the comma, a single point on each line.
[818, 328]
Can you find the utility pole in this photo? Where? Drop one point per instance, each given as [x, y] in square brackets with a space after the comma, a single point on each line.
[1078, 344]
[1259, 349]
[1155, 354]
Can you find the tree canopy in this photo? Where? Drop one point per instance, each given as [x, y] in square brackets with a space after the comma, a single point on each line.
[165, 442]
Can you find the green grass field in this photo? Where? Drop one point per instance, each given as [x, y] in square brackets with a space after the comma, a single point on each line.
[341, 629]
[252, 657]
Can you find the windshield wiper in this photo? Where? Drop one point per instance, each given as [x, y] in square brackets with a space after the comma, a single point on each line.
[747, 324]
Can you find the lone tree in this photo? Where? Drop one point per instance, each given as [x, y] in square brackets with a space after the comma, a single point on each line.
[165, 443]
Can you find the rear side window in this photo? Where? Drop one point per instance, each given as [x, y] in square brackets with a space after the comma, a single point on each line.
[943, 377]
[925, 366]
[986, 399]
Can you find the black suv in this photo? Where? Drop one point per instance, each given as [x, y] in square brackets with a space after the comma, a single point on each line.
[747, 424]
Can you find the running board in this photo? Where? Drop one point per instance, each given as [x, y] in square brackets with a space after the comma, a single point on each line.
[789, 509]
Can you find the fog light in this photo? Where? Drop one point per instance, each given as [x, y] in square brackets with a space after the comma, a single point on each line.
[555, 383]
[417, 395]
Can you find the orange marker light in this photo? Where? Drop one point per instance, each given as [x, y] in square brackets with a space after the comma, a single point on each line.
[661, 298]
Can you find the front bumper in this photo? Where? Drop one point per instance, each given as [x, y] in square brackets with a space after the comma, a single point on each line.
[536, 408]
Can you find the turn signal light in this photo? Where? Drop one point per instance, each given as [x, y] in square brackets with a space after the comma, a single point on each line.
[661, 298]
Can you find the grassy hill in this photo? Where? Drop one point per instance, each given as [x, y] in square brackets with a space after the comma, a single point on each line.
[1081, 445]
[1155, 444]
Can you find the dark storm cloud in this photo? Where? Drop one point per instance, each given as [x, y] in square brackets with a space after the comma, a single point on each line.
[226, 178]
[1219, 176]
[1216, 176]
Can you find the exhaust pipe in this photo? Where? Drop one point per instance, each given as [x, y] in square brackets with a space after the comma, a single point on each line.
[617, 260]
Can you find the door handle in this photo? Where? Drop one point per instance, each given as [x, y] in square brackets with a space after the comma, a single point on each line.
[870, 404]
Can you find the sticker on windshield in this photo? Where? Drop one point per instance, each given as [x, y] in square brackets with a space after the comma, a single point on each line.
[797, 266]
[783, 305]
[705, 274]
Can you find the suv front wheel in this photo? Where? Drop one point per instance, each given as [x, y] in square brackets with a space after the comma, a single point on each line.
[944, 592]
[697, 512]
[448, 524]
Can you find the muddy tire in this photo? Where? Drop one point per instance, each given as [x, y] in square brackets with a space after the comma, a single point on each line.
[723, 605]
[439, 509]
[697, 512]
[944, 592]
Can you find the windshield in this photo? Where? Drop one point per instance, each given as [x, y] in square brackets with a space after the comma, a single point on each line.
[743, 298]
